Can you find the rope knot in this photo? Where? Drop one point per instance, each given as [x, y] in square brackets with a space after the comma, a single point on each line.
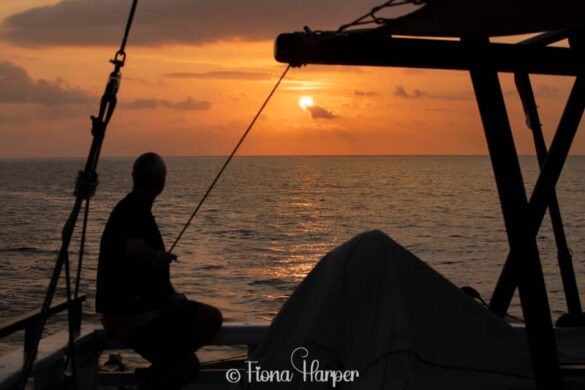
[85, 185]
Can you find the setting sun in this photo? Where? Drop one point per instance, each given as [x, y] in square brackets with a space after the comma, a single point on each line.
[306, 102]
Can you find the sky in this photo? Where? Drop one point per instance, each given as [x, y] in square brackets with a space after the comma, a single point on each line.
[198, 70]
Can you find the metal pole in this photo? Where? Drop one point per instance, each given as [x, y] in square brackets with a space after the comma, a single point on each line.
[515, 209]
[563, 253]
[549, 175]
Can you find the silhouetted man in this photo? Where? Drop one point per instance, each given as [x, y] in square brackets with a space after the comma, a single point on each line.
[134, 291]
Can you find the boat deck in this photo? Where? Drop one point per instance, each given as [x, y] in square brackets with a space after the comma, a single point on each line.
[48, 368]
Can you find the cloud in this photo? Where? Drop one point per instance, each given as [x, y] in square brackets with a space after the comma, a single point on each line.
[12, 114]
[400, 91]
[101, 22]
[189, 104]
[321, 113]
[546, 90]
[357, 92]
[455, 95]
[19, 87]
[222, 75]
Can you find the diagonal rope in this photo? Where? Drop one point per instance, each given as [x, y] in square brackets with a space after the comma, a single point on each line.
[229, 158]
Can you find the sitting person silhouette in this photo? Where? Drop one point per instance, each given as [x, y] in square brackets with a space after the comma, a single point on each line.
[134, 293]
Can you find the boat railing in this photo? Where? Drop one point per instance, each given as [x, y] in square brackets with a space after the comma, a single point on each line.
[29, 320]
[51, 350]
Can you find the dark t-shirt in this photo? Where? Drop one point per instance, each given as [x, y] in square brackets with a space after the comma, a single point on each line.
[126, 285]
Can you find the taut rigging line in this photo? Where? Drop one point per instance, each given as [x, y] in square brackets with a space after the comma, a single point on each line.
[230, 157]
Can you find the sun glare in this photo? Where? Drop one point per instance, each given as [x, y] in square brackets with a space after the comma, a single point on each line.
[306, 102]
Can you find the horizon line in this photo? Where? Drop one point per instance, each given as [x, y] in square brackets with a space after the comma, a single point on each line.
[269, 155]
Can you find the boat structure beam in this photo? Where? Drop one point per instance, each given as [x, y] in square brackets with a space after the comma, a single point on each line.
[524, 87]
[505, 289]
[523, 216]
[544, 189]
[514, 203]
[378, 48]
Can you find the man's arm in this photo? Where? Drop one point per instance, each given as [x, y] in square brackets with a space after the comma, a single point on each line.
[137, 249]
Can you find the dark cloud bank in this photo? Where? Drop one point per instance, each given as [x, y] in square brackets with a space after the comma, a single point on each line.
[101, 22]
[19, 87]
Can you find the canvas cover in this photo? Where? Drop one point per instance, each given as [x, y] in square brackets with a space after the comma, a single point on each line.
[370, 305]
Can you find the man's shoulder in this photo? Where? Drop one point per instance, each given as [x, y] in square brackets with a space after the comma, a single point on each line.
[126, 216]
[125, 212]
[128, 204]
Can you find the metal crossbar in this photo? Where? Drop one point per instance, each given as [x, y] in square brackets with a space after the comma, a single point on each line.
[514, 204]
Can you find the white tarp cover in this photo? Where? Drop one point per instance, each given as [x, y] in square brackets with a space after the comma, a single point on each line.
[373, 306]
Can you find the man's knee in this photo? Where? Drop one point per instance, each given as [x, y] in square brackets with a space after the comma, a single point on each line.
[215, 318]
[208, 316]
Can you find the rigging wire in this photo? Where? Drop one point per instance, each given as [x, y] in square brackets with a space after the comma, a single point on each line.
[81, 249]
[357, 22]
[128, 26]
[71, 350]
[226, 163]
[71, 336]
[374, 19]
[234, 358]
[84, 189]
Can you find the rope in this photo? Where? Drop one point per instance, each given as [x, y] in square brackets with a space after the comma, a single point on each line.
[81, 248]
[120, 57]
[85, 187]
[374, 19]
[225, 360]
[229, 158]
[71, 339]
[474, 294]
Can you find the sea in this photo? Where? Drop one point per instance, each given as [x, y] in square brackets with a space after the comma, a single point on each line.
[271, 219]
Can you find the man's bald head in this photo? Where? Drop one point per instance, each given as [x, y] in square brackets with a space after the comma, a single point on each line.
[149, 173]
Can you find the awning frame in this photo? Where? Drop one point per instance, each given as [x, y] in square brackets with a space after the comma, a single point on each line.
[522, 215]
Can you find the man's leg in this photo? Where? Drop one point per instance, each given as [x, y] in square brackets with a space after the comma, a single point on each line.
[170, 340]
[203, 320]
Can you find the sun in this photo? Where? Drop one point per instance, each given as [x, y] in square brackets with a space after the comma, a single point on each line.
[306, 102]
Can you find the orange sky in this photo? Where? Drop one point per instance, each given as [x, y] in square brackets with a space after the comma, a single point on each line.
[197, 72]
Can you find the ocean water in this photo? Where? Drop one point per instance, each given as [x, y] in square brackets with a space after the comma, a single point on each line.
[270, 219]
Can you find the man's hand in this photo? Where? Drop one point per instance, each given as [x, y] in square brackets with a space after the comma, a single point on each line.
[165, 258]
[137, 249]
